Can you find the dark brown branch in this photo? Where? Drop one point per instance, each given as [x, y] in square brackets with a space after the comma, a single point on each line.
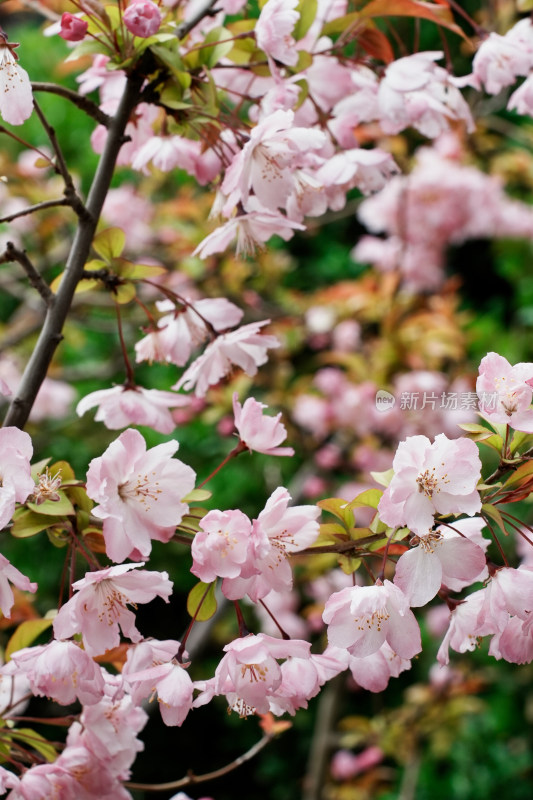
[207, 11]
[12, 253]
[51, 333]
[60, 165]
[37, 207]
[79, 100]
[207, 776]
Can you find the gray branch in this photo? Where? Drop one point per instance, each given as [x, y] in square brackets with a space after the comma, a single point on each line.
[57, 312]
[35, 278]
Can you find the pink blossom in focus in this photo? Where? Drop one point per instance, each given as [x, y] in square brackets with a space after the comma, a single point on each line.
[259, 432]
[142, 18]
[139, 493]
[16, 483]
[73, 29]
[99, 606]
[16, 99]
[273, 30]
[59, 670]
[220, 548]
[278, 531]
[10, 574]
[361, 618]
[122, 406]
[429, 479]
[244, 347]
[440, 557]
[505, 392]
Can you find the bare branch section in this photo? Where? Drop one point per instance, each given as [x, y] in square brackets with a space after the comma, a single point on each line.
[60, 165]
[191, 778]
[207, 11]
[51, 333]
[12, 253]
[37, 207]
[79, 100]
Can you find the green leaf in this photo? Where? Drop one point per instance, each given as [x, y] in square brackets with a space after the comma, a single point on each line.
[127, 269]
[197, 496]
[26, 633]
[334, 505]
[307, 10]
[348, 564]
[27, 523]
[520, 475]
[35, 741]
[221, 41]
[124, 293]
[340, 24]
[109, 243]
[370, 497]
[383, 478]
[491, 511]
[54, 508]
[201, 602]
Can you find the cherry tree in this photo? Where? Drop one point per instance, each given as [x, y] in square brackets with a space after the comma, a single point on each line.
[283, 113]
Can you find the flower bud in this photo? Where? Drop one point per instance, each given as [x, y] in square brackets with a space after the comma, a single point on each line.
[73, 29]
[142, 19]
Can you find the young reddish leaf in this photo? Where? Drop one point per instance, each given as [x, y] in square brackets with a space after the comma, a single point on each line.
[487, 509]
[520, 475]
[438, 13]
[375, 43]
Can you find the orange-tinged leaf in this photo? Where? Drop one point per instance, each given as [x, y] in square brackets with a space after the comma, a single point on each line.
[375, 43]
[438, 13]
[520, 475]
[272, 726]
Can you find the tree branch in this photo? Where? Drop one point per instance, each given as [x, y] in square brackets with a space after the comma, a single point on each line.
[60, 165]
[206, 11]
[58, 309]
[11, 253]
[206, 776]
[80, 101]
[37, 207]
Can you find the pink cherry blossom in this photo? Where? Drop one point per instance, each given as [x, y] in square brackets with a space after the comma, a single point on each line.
[142, 657]
[278, 531]
[16, 99]
[244, 347]
[174, 689]
[221, 546]
[126, 405]
[108, 730]
[500, 59]
[73, 29]
[345, 765]
[10, 574]
[179, 332]
[465, 628]
[16, 483]
[142, 18]
[251, 229]
[60, 670]
[429, 479]
[257, 431]
[139, 493]
[361, 618]
[374, 671]
[267, 161]
[99, 606]
[273, 30]
[440, 557]
[505, 392]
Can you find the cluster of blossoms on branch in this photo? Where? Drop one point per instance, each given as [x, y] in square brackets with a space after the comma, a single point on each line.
[170, 91]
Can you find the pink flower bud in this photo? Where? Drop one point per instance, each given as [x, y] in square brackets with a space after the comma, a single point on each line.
[73, 29]
[142, 19]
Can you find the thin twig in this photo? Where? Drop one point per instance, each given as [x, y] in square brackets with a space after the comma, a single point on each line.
[80, 101]
[35, 278]
[207, 776]
[37, 207]
[60, 165]
[206, 11]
